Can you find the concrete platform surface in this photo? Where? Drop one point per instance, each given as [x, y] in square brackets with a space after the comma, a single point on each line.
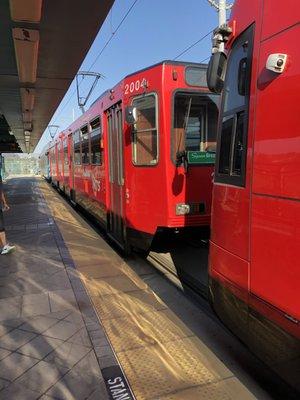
[78, 321]
[46, 322]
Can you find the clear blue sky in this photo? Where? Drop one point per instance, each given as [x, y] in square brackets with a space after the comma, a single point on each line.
[154, 30]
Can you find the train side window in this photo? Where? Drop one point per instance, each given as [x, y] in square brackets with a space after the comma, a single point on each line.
[195, 76]
[232, 141]
[76, 146]
[52, 159]
[85, 147]
[58, 156]
[145, 132]
[96, 138]
[228, 124]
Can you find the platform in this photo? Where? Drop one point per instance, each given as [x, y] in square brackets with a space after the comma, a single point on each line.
[78, 321]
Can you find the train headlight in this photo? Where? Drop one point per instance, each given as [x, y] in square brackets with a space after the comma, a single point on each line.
[182, 209]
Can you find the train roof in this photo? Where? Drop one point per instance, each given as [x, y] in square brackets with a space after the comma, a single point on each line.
[164, 62]
[169, 62]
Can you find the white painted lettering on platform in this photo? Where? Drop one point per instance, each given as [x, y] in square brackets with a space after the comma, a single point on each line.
[118, 389]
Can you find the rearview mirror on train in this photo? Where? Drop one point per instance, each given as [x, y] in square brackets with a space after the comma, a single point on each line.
[216, 72]
[130, 115]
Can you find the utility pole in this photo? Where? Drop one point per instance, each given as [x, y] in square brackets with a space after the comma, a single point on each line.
[222, 12]
[221, 6]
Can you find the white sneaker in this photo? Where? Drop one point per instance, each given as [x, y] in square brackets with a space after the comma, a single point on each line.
[7, 249]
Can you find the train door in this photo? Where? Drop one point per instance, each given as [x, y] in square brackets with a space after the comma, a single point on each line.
[65, 163]
[116, 226]
[230, 219]
[76, 160]
[70, 163]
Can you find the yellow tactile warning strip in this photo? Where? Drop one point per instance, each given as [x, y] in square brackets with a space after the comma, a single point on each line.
[161, 357]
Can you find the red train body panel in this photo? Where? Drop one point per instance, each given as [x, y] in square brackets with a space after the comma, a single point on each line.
[255, 241]
[126, 174]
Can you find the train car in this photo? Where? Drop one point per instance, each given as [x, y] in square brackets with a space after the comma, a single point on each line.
[255, 238]
[141, 158]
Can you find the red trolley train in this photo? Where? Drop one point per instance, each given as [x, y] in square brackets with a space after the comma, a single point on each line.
[139, 159]
[255, 240]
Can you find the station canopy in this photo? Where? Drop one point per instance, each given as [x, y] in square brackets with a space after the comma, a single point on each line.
[43, 43]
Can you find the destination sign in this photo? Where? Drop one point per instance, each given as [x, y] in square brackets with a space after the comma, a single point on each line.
[201, 157]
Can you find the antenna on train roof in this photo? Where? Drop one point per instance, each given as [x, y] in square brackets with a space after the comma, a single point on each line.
[82, 100]
[218, 39]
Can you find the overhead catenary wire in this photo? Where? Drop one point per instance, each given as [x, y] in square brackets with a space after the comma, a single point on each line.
[192, 45]
[113, 33]
[205, 59]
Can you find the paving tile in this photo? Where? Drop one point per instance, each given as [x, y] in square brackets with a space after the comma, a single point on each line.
[67, 354]
[10, 308]
[81, 337]
[59, 314]
[42, 376]
[78, 285]
[57, 281]
[83, 301]
[4, 353]
[99, 343]
[92, 326]
[18, 392]
[15, 339]
[97, 334]
[35, 304]
[62, 330]
[38, 324]
[100, 393]
[80, 382]
[40, 347]
[76, 318]
[4, 271]
[14, 365]
[14, 323]
[103, 351]
[107, 361]
[4, 329]
[9, 290]
[62, 299]
[73, 273]
[4, 383]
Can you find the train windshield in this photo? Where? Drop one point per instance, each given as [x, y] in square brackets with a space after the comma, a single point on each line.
[195, 126]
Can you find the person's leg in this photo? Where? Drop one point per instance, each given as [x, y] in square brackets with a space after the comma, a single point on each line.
[2, 231]
[2, 240]
[5, 248]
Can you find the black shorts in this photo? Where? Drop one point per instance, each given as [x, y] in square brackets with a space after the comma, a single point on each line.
[1, 221]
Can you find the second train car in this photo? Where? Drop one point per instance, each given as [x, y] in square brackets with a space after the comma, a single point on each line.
[141, 158]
